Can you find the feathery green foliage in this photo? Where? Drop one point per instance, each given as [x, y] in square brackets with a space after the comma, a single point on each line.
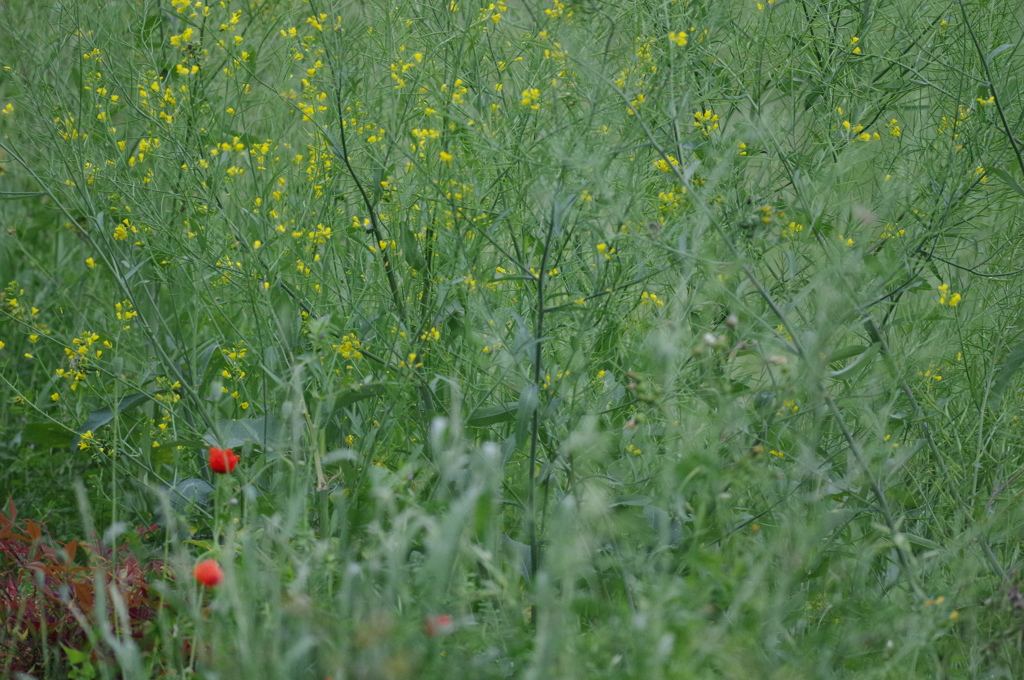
[646, 339]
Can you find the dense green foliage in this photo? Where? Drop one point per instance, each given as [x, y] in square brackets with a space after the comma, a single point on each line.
[643, 339]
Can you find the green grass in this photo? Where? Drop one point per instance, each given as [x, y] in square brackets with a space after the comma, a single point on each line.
[637, 354]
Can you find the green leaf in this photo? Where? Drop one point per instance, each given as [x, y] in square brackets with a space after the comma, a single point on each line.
[48, 435]
[921, 542]
[490, 415]
[1001, 380]
[994, 53]
[864, 359]
[163, 455]
[188, 492]
[1007, 178]
[847, 352]
[263, 431]
[203, 361]
[75, 656]
[350, 397]
[98, 419]
[529, 401]
[520, 552]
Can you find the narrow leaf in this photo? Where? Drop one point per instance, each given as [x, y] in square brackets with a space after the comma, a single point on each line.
[48, 435]
[1002, 48]
[1001, 380]
[1006, 177]
[98, 419]
[365, 392]
[489, 415]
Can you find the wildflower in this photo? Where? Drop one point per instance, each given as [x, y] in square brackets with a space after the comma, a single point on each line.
[650, 298]
[678, 38]
[705, 121]
[349, 347]
[209, 573]
[666, 164]
[531, 98]
[945, 298]
[791, 230]
[437, 625]
[222, 460]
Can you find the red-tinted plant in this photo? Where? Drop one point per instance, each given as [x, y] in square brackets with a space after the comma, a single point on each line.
[46, 596]
[437, 625]
[209, 573]
[223, 461]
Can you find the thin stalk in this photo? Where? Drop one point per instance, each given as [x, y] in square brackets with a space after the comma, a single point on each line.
[992, 88]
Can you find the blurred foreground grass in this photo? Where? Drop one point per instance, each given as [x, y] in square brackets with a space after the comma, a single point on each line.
[556, 339]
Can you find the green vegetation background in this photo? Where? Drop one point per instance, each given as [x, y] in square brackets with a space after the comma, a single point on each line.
[644, 339]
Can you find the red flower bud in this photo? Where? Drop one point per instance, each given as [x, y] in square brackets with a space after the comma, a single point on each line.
[209, 573]
[438, 624]
[222, 460]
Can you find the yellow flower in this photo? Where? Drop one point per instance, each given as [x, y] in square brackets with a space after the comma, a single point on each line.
[705, 121]
[85, 441]
[666, 164]
[446, 157]
[945, 298]
[678, 38]
[531, 98]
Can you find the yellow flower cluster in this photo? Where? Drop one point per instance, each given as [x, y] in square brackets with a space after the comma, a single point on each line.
[666, 164]
[531, 98]
[348, 347]
[124, 311]
[650, 299]
[80, 357]
[705, 121]
[945, 298]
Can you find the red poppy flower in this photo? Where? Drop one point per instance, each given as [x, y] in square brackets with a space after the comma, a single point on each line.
[438, 624]
[209, 573]
[222, 460]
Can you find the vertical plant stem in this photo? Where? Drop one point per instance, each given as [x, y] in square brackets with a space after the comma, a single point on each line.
[554, 228]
